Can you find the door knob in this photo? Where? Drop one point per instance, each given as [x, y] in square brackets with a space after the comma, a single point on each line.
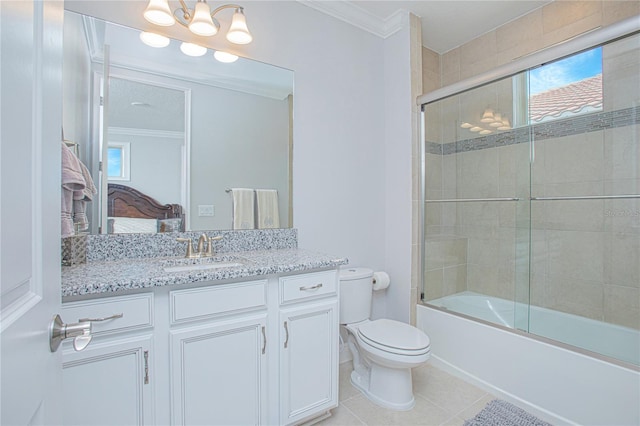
[59, 331]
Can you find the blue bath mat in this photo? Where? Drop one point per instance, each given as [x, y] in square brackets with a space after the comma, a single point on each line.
[502, 413]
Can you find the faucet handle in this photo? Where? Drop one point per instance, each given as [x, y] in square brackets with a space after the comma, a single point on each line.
[189, 242]
[210, 245]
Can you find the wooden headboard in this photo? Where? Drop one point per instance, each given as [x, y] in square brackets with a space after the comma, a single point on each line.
[124, 201]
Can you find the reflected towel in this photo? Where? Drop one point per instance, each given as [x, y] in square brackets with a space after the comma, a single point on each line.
[243, 205]
[80, 199]
[72, 181]
[268, 214]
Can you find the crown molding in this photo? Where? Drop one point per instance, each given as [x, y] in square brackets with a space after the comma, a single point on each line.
[353, 14]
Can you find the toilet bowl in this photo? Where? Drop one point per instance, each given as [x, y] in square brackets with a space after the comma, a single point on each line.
[384, 351]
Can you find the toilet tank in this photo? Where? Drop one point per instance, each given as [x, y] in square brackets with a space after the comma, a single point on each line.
[356, 290]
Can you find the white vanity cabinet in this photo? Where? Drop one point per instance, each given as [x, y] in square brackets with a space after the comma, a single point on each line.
[254, 352]
[219, 366]
[108, 383]
[309, 350]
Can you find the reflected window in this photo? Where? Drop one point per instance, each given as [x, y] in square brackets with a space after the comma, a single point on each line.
[567, 87]
[118, 161]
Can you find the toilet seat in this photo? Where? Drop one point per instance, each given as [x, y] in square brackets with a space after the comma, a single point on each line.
[394, 337]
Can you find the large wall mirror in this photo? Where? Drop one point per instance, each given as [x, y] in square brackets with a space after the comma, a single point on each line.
[176, 129]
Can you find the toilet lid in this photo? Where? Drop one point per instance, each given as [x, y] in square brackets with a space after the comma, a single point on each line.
[394, 335]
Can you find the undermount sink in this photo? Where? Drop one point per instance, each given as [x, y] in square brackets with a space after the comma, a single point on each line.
[186, 265]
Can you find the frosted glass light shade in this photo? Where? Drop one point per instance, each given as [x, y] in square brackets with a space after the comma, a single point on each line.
[191, 49]
[238, 31]
[475, 129]
[159, 13]
[225, 57]
[466, 125]
[154, 40]
[485, 132]
[498, 120]
[487, 117]
[201, 22]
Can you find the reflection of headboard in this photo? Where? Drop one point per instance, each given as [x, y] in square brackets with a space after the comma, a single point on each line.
[125, 201]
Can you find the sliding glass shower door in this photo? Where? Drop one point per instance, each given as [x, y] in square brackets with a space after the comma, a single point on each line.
[532, 205]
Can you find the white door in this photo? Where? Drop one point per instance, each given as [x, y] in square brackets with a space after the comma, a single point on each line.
[30, 121]
[219, 374]
[308, 360]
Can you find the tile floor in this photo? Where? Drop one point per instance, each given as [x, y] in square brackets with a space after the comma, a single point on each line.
[441, 399]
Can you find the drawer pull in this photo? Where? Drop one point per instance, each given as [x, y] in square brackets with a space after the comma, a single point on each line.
[264, 340]
[311, 287]
[114, 316]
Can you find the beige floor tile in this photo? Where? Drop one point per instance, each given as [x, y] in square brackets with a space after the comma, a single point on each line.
[341, 416]
[347, 390]
[455, 421]
[424, 413]
[474, 409]
[444, 390]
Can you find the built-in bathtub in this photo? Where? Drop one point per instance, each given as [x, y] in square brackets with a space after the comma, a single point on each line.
[621, 343]
[559, 384]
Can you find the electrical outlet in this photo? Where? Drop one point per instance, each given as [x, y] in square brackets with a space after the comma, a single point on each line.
[205, 210]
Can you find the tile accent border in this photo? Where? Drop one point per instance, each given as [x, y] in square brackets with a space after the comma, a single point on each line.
[547, 130]
[126, 246]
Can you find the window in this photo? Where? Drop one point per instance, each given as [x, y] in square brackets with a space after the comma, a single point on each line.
[118, 161]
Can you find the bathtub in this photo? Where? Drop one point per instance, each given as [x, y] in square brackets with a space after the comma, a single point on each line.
[554, 382]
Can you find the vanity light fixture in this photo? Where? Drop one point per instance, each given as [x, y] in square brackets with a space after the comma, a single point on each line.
[225, 57]
[200, 20]
[154, 40]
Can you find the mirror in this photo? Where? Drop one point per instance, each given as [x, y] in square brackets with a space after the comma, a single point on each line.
[178, 129]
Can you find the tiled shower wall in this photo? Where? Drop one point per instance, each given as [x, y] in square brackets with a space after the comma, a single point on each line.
[585, 254]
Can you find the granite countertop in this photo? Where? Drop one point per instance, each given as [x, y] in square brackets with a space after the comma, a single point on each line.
[129, 274]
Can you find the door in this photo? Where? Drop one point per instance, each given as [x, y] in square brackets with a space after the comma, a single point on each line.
[114, 373]
[30, 121]
[218, 373]
[308, 360]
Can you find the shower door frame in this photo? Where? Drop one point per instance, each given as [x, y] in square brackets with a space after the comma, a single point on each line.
[586, 41]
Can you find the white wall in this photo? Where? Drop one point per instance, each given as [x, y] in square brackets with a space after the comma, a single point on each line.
[346, 142]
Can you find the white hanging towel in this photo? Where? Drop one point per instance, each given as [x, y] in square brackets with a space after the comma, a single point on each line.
[268, 215]
[243, 206]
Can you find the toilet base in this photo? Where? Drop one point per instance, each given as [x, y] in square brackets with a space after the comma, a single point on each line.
[387, 387]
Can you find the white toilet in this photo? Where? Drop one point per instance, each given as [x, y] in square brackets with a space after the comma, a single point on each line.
[384, 351]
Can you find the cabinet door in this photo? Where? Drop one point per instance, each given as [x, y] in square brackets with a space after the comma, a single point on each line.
[109, 383]
[308, 360]
[218, 373]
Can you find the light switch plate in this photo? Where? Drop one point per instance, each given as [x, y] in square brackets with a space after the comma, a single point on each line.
[205, 210]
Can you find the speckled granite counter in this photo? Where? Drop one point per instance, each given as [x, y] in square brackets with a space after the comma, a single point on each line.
[108, 277]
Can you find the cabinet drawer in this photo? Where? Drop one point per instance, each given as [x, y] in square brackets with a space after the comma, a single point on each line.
[136, 310]
[204, 302]
[307, 286]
